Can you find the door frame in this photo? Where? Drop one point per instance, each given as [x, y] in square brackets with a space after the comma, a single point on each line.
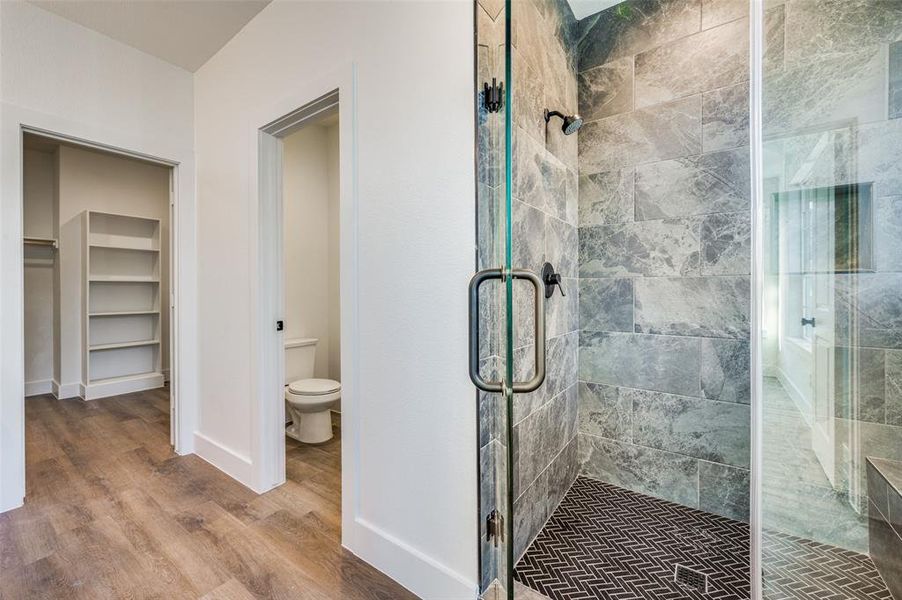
[265, 133]
[14, 123]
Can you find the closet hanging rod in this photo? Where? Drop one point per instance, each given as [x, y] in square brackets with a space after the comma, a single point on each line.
[40, 241]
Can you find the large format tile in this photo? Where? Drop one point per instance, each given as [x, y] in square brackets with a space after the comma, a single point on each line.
[723, 490]
[606, 198]
[867, 403]
[888, 233]
[705, 429]
[873, 301]
[700, 306]
[541, 180]
[630, 28]
[647, 248]
[541, 436]
[726, 242]
[561, 246]
[693, 185]
[604, 412]
[725, 370]
[656, 133]
[645, 470]
[717, 12]
[711, 59]
[606, 304]
[895, 80]
[607, 89]
[527, 236]
[653, 362]
[725, 118]
[894, 387]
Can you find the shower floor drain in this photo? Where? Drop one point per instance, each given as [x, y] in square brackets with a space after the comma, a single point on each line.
[691, 577]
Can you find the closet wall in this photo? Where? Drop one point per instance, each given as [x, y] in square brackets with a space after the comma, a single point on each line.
[40, 221]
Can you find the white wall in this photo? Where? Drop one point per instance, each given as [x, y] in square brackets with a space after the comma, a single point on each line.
[100, 181]
[415, 512]
[61, 77]
[39, 220]
[310, 242]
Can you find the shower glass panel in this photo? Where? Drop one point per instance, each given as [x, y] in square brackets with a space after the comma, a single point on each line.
[493, 318]
[831, 271]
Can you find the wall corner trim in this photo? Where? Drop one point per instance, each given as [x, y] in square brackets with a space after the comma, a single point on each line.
[419, 573]
[230, 462]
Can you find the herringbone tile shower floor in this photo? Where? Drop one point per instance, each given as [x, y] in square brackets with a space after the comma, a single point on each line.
[607, 542]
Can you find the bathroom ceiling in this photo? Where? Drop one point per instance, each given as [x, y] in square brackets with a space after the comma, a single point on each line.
[584, 8]
[185, 33]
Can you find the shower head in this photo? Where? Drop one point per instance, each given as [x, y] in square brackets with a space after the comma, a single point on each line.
[572, 123]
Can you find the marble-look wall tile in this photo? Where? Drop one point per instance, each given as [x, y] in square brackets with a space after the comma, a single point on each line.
[607, 89]
[726, 244]
[774, 39]
[697, 306]
[895, 80]
[606, 198]
[867, 365]
[604, 412]
[713, 58]
[528, 97]
[543, 181]
[656, 133]
[795, 97]
[705, 429]
[653, 362]
[562, 312]
[647, 248]
[725, 370]
[723, 490]
[606, 304]
[693, 185]
[645, 470]
[528, 236]
[894, 388]
[725, 118]
[888, 233]
[561, 246]
[816, 27]
[536, 503]
[542, 435]
[717, 12]
[629, 28]
[560, 372]
[873, 301]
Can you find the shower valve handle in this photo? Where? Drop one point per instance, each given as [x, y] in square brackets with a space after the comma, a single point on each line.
[551, 279]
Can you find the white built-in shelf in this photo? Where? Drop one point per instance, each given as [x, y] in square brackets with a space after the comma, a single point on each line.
[119, 345]
[122, 298]
[124, 278]
[124, 313]
[122, 246]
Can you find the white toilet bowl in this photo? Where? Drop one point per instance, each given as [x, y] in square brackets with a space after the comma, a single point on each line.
[308, 403]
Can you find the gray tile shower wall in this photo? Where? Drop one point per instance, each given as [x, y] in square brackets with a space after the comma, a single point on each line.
[544, 228]
[664, 251]
[846, 102]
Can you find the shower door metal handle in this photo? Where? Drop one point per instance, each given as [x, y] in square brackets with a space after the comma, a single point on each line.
[539, 345]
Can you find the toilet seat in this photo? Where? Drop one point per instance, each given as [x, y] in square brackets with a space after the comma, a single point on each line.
[314, 387]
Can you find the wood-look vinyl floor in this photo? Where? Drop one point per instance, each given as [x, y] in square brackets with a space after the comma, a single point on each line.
[112, 512]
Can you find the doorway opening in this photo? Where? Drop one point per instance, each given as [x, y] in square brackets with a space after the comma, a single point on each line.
[97, 291]
[311, 324]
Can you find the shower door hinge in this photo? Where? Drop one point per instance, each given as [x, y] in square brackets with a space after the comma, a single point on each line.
[493, 95]
[494, 527]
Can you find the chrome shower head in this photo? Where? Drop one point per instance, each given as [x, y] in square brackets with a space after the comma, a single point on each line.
[572, 123]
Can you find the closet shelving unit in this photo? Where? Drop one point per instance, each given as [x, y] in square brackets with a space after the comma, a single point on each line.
[122, 325]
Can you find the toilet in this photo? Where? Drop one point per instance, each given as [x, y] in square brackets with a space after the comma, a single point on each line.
[308, 401]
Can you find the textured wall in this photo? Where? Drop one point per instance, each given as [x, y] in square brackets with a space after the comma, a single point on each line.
[664, 253]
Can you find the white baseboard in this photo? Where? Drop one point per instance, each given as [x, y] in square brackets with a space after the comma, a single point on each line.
[37, 388]
[166, 375]
[62, 391]
[419, 573]
[121, 385]
[233, 464]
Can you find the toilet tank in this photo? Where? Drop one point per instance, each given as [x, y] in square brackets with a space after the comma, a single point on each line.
[300, 356]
